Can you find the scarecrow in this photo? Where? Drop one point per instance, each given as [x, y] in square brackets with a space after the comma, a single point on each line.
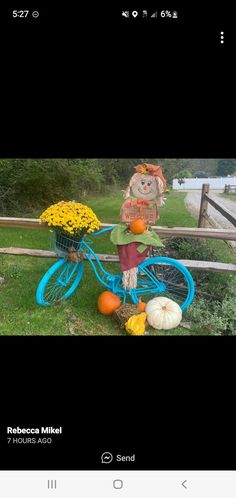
[134, 236]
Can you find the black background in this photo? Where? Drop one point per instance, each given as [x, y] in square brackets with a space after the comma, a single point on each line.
[169, 400]
[93, 85]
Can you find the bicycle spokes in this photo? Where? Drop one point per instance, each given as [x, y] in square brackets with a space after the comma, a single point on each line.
[164, 279]
[54, 292]
[59, 282]
[65, 276]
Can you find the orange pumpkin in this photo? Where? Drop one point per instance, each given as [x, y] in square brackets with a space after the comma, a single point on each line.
[137, 226]
[108, 302]
[141, 305]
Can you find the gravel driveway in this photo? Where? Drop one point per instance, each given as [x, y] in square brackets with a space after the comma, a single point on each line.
[192, 201]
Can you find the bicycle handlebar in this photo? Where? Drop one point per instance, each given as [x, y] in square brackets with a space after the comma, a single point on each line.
[107, 229]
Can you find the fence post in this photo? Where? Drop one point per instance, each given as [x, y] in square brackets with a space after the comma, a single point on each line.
[203, 206]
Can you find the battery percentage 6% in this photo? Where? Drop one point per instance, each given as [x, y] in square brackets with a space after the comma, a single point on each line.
[166, 13]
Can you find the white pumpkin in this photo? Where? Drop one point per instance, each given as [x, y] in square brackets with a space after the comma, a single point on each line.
[163, 313]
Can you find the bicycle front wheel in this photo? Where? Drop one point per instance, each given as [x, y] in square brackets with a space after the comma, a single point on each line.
[59, 282]
[167, 277]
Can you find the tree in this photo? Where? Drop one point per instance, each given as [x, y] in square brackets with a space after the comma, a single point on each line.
[184, 173]
[201, 174]
[226, 167]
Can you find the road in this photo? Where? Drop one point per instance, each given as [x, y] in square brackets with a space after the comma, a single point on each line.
[192, 201]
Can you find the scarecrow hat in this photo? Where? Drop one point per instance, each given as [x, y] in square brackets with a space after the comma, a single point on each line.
[151, 169]
[147, 169]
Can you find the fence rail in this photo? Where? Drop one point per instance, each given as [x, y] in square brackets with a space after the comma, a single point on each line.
[113, 258]
[223, 210]
[230, 188]
[200, 232]
[203, 214]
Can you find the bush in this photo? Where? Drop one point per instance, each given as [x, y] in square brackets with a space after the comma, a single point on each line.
[215, 311]
[213, 284]
[188, 248]
[28, 184]
[33, 184]
[201, 174]
[218, 318]
[226, 167]
[184, 173]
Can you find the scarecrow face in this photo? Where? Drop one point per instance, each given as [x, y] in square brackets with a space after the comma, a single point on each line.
[145, 187]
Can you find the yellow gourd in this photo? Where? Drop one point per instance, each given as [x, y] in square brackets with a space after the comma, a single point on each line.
[136, 324]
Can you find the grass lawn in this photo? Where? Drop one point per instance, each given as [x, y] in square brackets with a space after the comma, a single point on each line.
[78, 315]
[173, 214]
[231, 197]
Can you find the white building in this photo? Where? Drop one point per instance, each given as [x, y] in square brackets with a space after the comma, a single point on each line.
[196, 183]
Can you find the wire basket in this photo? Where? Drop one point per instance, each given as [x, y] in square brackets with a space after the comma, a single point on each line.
[62, 244]
[147, 214]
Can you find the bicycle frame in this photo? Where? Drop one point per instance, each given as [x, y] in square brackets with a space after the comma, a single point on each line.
[148, 281]
[114, 282]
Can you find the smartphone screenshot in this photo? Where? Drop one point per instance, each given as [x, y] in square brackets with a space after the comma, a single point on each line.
[117, 251]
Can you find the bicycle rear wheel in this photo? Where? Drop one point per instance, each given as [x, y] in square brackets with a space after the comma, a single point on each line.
[167, 277]
[59, 282]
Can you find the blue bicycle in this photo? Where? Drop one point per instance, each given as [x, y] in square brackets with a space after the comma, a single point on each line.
[158, 276]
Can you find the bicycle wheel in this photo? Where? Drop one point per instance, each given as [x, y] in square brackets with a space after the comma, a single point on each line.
[167, 277]
[59, 282]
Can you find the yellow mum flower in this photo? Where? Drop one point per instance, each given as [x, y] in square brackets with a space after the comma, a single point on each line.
[71, 218]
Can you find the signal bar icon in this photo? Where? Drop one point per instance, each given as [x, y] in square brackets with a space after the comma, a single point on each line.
[154, 14]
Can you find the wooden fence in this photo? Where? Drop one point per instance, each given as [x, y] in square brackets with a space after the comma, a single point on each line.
[113, 258]
[204, 217]
[209, 233]
[202, 232]
[230, 189]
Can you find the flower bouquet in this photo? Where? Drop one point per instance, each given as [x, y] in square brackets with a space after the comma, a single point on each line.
[70, 222]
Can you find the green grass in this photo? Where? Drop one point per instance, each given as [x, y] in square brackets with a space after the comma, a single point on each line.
[172, 214]
[20, 315]
[231, 197]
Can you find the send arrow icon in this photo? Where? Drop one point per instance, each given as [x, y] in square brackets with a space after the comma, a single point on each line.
[184, 484]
